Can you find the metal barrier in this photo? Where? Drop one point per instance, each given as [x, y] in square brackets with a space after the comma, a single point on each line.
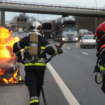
[50, 5]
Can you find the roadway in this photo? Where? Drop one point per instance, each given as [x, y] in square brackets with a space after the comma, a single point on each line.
[75, 67]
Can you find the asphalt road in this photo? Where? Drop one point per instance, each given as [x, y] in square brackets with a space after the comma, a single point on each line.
[75, 67]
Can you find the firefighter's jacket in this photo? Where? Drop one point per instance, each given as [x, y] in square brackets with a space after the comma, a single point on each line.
[102, 58]
[102, 54]
[43, 48]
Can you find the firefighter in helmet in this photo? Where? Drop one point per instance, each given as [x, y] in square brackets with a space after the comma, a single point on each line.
[34, 65]
[100, 65]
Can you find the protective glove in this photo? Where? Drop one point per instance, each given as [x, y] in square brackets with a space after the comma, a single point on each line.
[59, 51]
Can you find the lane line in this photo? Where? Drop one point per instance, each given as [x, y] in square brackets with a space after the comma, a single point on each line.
[66, 92]
[85, 53]
[68, 47]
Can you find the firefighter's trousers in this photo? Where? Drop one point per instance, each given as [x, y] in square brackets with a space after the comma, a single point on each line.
[34, 81]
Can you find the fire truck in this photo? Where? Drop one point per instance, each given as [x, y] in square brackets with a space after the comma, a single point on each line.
[65, 29]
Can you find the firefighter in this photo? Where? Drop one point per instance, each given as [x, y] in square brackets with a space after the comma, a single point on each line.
[100, 65]
[34, 66]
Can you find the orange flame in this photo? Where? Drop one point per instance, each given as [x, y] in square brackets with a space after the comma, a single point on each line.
[6, 40]
[12, 80]
[7, 57]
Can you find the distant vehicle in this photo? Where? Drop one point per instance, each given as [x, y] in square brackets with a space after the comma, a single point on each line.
[81, 32]
[9, 27]
[65, 29]
[25, 30]
[88, 40]
[20, 30]
[88, 33]
[47, 29]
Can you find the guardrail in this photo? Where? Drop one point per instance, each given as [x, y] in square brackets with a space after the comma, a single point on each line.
[50, 5]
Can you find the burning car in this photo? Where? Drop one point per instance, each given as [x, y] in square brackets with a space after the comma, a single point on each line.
[9, 69]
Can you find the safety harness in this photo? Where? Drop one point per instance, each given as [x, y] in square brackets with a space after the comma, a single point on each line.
[38, 60]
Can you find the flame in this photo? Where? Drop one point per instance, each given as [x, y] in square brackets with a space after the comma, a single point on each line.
[6, 41]
[1, 72]
[14, 79]
[7, 57]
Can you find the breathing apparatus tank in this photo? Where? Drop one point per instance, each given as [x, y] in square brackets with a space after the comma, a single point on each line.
[33, 50]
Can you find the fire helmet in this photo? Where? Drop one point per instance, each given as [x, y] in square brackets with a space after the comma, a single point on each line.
[100, 32]
[35, 26]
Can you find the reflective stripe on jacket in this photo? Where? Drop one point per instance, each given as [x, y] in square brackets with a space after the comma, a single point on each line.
[102, 71]
[102, 46]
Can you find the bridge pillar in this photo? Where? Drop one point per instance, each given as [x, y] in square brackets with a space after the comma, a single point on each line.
[2, 18]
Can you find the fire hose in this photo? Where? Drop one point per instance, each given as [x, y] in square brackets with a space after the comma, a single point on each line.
[43, 94]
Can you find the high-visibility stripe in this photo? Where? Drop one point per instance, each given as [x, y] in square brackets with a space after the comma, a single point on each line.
[41, 59]
[56, 51]
[33, 97]
[48, 45]
[102, 46]
[35, 64]
[35, 45]
[42, 47]
[18, 44]
[102, 68]
[27, 47]
[102, 71]
[34, 101]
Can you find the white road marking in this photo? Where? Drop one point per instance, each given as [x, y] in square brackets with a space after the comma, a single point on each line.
[68, 47]
[85, 53]
[66, 92]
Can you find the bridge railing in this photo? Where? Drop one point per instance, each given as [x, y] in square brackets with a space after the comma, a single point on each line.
[51, 5]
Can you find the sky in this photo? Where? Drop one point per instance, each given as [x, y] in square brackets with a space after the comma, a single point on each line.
[78, 3]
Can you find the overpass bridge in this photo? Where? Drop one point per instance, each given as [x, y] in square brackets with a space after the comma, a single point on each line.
[49, 9]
